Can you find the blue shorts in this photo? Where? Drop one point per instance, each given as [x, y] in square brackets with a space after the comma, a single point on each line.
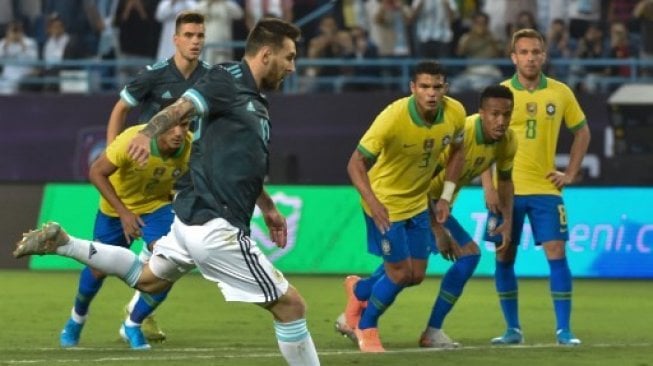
[411, 238]
[547, 216]
[457, 232]
[108, 229]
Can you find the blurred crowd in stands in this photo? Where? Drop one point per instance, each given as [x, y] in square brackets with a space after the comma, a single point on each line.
[50, 31]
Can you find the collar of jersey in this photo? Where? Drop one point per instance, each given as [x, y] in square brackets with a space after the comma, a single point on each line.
[154, 149]
[417, 119]
[517, 85]
[480, 138]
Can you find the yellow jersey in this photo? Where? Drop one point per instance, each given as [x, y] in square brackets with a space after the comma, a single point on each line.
[479, 155]
[405, 150]
[536, 121]
[143, 189]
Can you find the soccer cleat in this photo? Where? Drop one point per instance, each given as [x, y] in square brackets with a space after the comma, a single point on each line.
[368, 340]
[436, 338]
[134, 336]
[41, 241]
[69, 336]
[344, 329]
[354, 307]
[150, 328]
[511, 336]
[566, 338]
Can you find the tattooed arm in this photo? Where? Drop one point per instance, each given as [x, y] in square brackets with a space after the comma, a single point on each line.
[172, 115]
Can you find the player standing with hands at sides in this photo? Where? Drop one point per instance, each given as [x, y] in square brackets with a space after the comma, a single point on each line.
[391, 169]
[541, 104]
[229, 162]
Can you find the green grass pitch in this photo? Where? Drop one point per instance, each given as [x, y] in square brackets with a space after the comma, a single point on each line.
[614, 319]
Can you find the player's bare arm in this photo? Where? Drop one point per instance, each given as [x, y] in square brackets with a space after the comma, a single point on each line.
[506, 193]
[452, 173]
[491, 195]
[117, 120]
[578, 149]
[275, 222]
[357, 169]
[99, 174]
[172, 115]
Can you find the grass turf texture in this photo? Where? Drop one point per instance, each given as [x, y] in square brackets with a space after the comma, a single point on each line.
[612, 318]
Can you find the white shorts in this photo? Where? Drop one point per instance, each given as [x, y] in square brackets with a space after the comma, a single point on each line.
[224, 255]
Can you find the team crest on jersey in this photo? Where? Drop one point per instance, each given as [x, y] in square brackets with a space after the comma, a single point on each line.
[176, 172]
[158, 172]
[531, 109]
[428, 144]
[446, 140]
[385, 246]
[550, 109]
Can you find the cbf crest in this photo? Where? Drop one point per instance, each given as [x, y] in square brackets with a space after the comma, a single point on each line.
[385, 246]
[550, 109]
[531, 109]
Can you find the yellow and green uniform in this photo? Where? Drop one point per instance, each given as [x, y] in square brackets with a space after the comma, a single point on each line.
[143, 189]
[479, 155]
[536, 121]
[406, 149]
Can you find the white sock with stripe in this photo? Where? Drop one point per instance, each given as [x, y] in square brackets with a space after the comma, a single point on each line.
[110, 259]
[296, 344]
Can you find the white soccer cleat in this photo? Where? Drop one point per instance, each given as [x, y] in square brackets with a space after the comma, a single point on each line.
[436, 338]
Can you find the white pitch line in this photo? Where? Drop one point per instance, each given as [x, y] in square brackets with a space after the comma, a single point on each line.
[334, 352]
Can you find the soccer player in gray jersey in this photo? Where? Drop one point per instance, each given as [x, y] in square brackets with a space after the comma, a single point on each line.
[229, 161]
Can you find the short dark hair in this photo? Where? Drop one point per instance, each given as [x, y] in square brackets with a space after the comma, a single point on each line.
[496, 91]
[270, 32]
[427, 67]
[186, 17]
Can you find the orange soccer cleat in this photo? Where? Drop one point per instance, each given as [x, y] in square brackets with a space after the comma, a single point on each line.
[368, 340]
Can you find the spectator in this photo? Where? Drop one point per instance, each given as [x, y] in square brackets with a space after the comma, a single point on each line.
[388, 29]
[16, 48]
[559, 46]
[582, 14]
[620, 48]
[54, 49]
[478, 43]
[220, 15]
[503, 13]
[364, 49]
[166, 14]
[433, 27]
[591, 46]
[83, 23]
[644, 13]
[257, 9]
[331, 42]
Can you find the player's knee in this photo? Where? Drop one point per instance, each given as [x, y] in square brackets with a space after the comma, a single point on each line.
[150, 283]
[291, 306]
[554, 249]
[402, 276]
[507, 255]
[97, 274]
[417, 279]
[470, 248]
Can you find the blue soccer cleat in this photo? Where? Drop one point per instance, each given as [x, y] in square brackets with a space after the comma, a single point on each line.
[69, 336]
[511, 336]
[566, 338]
[134, 336]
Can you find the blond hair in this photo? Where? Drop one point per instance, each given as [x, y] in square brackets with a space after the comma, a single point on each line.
[526, 33]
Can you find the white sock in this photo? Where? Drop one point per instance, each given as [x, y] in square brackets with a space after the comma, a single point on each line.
[133, 301]
[110, 259]
[79, 319]
[296, 344]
